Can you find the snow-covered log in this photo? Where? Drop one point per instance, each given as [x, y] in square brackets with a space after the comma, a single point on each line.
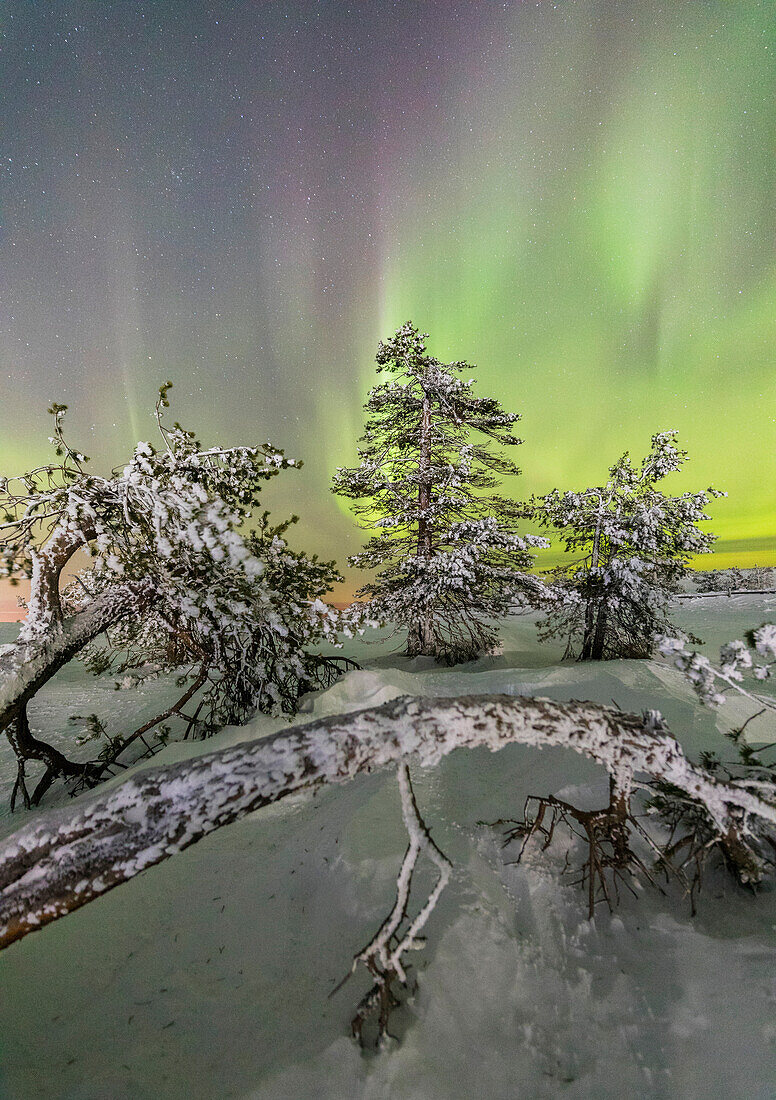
[729, 592]
[67, 857]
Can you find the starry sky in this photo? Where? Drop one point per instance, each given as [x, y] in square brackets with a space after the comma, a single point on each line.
[243, 197]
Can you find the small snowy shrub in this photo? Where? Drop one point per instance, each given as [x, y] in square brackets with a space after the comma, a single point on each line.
[631, 544]
[757, 578]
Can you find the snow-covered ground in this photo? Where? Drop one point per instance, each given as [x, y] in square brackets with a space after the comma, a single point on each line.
[209, 975]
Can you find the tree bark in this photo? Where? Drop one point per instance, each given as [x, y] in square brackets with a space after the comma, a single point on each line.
[599, 635]
[595, 623]
[31, 663]
[44, 616]
[421, 635]
[595, 608]
[67, 857]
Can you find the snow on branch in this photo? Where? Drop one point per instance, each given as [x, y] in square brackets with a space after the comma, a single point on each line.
[756, 657]
[383, 955]
[67, 857]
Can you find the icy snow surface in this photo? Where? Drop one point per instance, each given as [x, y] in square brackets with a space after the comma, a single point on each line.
[209, 975]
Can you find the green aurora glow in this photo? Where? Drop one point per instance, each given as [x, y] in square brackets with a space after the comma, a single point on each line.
[578, 197]
[612, 269]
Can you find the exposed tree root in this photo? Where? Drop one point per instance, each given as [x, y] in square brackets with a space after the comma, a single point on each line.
[610, 863]
[693, 841]
[27, 747]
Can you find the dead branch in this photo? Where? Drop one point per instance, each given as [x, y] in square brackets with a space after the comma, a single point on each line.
[382, 956]
[102, 766]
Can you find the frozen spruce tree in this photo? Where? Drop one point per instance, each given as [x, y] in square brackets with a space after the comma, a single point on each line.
[185, 578]
[631, 544]
[448, 557]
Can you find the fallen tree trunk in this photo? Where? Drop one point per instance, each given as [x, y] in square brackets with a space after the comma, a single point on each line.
[67, 857]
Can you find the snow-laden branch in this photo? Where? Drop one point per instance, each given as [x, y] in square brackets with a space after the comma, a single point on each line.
[185, 574]
[69, 856]
[756, 656]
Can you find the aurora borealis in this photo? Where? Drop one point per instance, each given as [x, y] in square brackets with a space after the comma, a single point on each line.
[579, 197]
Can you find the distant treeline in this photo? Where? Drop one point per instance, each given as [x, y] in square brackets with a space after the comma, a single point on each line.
[756, 579]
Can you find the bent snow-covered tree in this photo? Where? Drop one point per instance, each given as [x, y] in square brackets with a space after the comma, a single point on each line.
[177, 581]
[635, 541]
[447, 551]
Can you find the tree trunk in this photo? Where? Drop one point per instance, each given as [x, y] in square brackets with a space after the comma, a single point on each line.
[47, 641]
[595, 623]
[420, 641]
[589, 632]
[595, 606]
[34, 660]
[44, 616]
[599, 635]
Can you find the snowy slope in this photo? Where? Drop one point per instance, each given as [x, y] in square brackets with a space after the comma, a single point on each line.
[209, 975]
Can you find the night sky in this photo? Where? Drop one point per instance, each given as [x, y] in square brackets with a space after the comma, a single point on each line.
[244, 197]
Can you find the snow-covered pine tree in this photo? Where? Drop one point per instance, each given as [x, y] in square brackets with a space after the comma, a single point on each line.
[448, 555]
[635, 543]
[185, 577]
